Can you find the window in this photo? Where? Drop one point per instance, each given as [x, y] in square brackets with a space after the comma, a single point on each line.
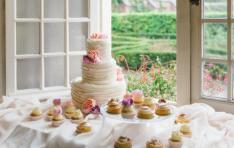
[45, 42]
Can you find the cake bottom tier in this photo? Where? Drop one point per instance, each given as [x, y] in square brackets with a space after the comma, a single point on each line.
[101, 93]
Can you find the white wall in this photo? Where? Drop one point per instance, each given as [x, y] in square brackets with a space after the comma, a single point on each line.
[2, 48]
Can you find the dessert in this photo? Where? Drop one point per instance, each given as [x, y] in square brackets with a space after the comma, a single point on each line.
[50, 113]
[138, 97]
[123, 142]
[154, 143]
[83, 127]
[175, 141]
[162, 108]
[185, 130]
[182, 118]
[101, 77]
[58, 118]
[114, 107]
[150, 102]
[145, 113]
[77, 117]
[69, 109]
[127, 109]
[36, 113]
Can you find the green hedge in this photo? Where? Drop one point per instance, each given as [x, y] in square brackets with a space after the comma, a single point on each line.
[134, 57]
[152, 25]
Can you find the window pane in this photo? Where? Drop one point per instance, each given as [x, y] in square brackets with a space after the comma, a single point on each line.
[54, 8]
[54, 37]
[27, 38]
[77, 36]
[28, 73]
[54, 71]
[78, 8]
[75, 67]
[28, 8]
[215, 8]
[232, 41]
[214, 80]
[215, 40]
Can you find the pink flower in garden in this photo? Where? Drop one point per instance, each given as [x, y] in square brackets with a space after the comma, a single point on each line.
[210, 65]
[144, 78]
[225, 79]
[159, 70]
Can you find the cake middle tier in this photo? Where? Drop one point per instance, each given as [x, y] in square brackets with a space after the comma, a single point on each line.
[99, 73]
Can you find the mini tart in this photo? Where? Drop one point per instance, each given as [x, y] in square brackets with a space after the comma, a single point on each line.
[36, 114]
[69, 111]
[163, 110]
[154, 143]
[57, 120]
[185, 130]
[145, 113]
[128, 112]
[50, 114]
[114, 107]
[123, 142]
[175, 141]
[182, 118]
[77, 117]
[150, 102]
[83, 127]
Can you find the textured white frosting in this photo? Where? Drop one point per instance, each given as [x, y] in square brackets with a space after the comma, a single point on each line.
[104, 47]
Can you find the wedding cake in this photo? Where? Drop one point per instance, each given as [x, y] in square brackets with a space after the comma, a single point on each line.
[101, 79]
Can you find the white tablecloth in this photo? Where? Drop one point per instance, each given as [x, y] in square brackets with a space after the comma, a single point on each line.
[210, 129]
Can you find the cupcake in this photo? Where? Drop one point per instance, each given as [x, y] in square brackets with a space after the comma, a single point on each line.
[50, 113]
[150, 102]
[138, 97]
[83, 127]
[175, 141]
[127, 109]
[123, 142]
[58, 118]
[77, 117]
[114, 107]
[69, 109]
[145, 113]
[182, 118]
[185, 130]
[154, 143]
[163, 110]
[36, 114]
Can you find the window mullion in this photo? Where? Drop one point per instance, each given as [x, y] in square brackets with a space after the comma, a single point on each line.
[67, 73]
[229, 48]
[42, 47]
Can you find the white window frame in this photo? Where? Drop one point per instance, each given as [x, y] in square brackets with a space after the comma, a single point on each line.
[197, 59]
[93, 20]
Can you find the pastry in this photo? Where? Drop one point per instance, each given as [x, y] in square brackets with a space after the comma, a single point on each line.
[77, 117]
[150, 102]
[138, 97]
[83, 127]
[69, 109]
[50, 113]
[185, 130]
[182, 118]
[123, 142]
[58, 118]
[114, 107]
[163, 110]
[154, 143]
[127, 109]
[36, 114]
[175, 141]
[145, 113]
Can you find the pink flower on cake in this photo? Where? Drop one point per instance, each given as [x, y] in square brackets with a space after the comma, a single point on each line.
[120, 75]
[98, 36]
[57, 110]
[93, 57]
[88, 105]
[57, 101]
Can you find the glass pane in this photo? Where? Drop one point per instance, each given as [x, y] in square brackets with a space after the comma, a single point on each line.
[28, 8]
[54, 37]
[75, 67]
[214, 80]
[28, 73]
[232, 41]
[77, 36]
[215, 8]
[54, 8]
[215, 40]
[54, 71]
[27, 38]
[78, 8]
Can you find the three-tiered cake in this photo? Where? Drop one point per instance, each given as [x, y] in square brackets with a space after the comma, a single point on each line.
[102, 79]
